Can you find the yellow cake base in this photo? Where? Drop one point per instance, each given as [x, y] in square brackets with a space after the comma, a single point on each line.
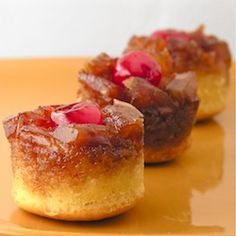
[212, 89]
[94, 199]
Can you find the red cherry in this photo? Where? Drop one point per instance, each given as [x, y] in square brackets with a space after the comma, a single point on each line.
[138, 64]
[169, 33]
[79, 113]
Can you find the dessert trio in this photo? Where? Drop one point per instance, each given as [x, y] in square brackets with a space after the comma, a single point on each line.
[84, 161]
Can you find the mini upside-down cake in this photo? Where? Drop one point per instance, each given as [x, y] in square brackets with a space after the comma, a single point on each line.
[208, 56]
[77, 162]
[168, 101]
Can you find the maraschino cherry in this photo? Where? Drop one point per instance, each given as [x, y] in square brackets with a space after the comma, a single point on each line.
[78, 113]
[137, 64]
[170, 33]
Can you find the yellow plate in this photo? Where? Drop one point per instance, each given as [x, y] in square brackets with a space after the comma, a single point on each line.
[192, 195]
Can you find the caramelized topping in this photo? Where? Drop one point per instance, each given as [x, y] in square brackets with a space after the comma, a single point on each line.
[48, 118]
[101, 66]
[41, 118]
[170, 34]
[188, 50]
